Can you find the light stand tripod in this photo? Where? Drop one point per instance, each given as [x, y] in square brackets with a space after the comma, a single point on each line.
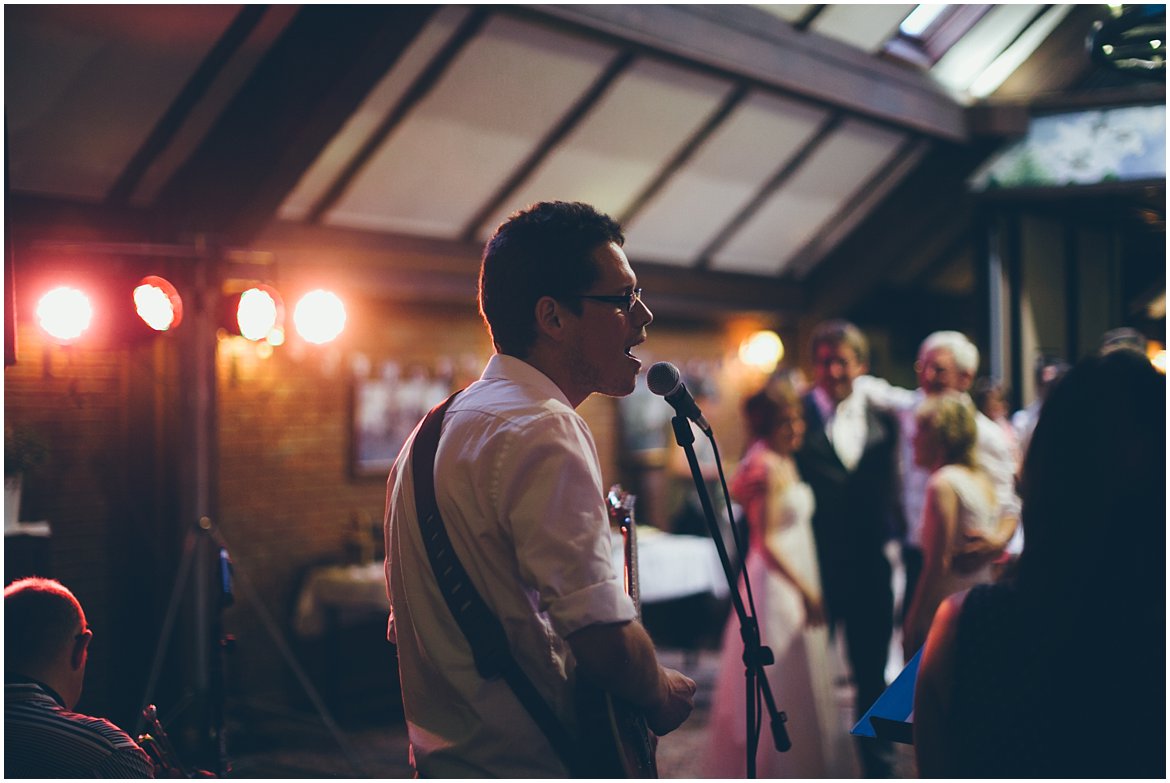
[755, 655]
[206, 554]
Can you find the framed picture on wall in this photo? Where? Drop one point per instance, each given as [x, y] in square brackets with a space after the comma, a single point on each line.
[385, 411]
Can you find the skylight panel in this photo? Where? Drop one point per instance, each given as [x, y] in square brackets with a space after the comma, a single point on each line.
[919, 20]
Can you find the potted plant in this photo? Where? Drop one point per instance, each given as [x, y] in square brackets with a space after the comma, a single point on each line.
[23, 451]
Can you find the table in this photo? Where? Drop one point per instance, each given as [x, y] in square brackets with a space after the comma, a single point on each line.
[338, 595]
[672, 566]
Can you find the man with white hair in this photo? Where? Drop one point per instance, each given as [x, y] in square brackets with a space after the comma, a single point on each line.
[947, 361]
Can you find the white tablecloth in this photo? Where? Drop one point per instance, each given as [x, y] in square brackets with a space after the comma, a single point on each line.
[349, 591]
[669, 567]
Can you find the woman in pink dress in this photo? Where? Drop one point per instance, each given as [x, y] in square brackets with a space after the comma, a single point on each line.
[781, 564]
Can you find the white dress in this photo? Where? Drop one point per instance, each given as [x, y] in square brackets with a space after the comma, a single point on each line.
[801, 680]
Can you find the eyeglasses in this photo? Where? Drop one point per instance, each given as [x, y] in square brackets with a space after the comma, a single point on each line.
[624, 301]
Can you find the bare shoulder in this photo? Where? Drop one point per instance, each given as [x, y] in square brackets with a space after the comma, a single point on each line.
[933, 728]
[938, 652]
[962, 480]
[949, 610]
[942, 481]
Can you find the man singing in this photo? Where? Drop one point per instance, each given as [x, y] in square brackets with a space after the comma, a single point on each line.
[518, 486]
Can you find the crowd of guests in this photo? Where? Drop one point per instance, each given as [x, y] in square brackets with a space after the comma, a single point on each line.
[841, 482]
[1016, 534]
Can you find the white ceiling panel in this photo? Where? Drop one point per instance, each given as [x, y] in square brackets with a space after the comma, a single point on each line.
[789, 12]
[624, 141]
[482, 110]
[868, 27]
[723, 176]
[837, 168]
[85, 85]
[501, 95]
[365, 121]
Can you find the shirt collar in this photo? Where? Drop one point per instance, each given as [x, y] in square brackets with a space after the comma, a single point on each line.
[828, 409]
[504, 367]
[11, 678]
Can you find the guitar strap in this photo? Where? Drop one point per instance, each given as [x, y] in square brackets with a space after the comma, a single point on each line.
[484, 633]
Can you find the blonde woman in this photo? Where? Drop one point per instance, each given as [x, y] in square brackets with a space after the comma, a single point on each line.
[962, 531]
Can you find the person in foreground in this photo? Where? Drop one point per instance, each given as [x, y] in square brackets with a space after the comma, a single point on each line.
[786, 585]
[1060, 672]
[518, 486]
[46, 646]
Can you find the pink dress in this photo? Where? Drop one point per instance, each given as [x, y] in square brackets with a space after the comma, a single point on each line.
[780, 517]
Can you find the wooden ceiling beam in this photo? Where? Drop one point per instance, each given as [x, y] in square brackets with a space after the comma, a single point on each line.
[398, 265]
[300, 94]
[33, 218]
[925, 204]
[739, 41]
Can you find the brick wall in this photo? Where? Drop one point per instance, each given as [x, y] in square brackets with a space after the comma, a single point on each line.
[103, 492]
[286, 487]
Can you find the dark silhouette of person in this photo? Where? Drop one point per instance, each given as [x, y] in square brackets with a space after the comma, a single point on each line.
[46, 648]
[1060, 671]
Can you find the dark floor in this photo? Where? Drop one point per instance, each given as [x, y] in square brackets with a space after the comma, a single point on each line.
[278, 744]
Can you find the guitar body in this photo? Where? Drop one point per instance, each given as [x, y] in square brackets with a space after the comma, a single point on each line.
[615, 741]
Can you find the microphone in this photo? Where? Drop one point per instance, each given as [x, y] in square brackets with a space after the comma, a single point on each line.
[664, 380]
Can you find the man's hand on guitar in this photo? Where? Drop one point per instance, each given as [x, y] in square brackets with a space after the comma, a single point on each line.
[676, 706]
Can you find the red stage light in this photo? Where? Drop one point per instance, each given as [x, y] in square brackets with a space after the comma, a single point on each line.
[158, 303]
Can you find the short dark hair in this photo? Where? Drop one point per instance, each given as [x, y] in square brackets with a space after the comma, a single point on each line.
[543, 250]
[40, 617]
[837, 332]
[762, 409]
[982, 391]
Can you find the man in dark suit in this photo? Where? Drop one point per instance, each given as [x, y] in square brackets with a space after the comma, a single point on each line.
[849, 459]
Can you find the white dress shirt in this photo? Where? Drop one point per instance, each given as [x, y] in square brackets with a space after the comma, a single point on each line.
[845, 425]
[518, 485]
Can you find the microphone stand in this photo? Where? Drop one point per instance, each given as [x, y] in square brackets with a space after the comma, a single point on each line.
[755, 655]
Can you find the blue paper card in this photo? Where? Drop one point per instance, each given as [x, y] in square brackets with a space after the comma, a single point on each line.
[892, 716]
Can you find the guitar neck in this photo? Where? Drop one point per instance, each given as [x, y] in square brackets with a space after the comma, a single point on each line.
[621, 513]
[630, 537]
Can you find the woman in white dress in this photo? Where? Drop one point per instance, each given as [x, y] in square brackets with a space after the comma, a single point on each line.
[782, 567]
[963, 533]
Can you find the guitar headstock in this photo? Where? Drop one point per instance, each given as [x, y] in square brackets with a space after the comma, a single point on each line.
[620, 505]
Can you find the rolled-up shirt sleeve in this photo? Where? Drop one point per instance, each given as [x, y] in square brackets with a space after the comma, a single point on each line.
[550, 485]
